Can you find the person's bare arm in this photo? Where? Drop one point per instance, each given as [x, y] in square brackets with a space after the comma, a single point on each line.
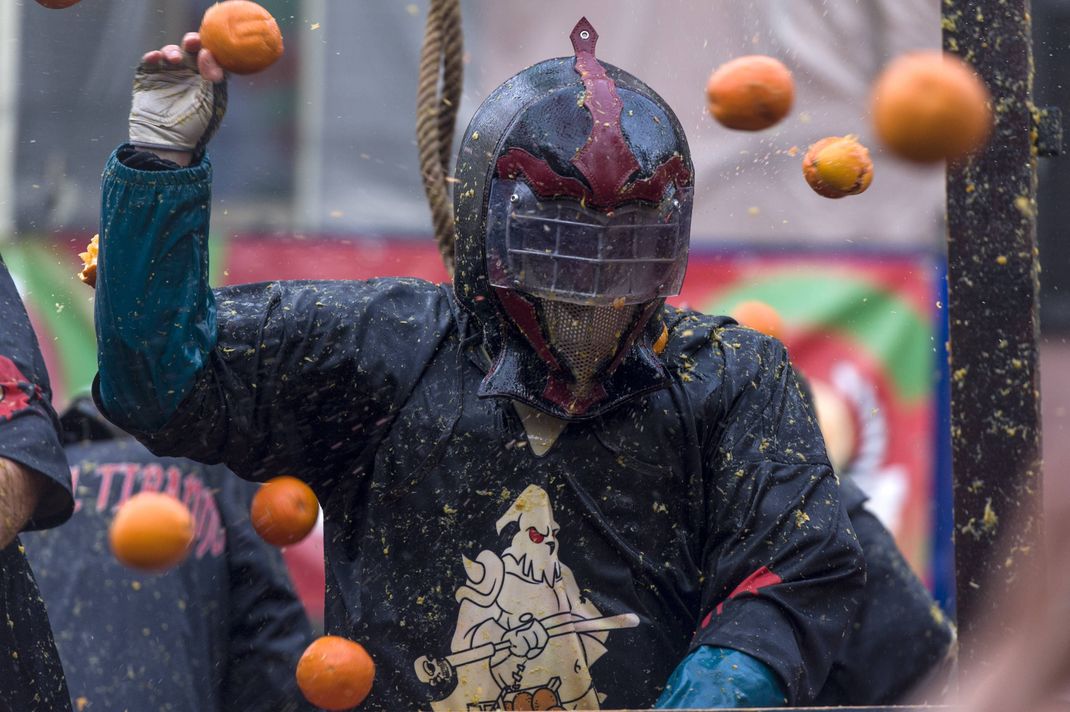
[20, 490]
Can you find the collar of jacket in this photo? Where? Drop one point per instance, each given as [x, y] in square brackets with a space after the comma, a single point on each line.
[515, 373]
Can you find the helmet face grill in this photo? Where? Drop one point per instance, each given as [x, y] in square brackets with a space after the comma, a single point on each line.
[586, 338]
[559, 250]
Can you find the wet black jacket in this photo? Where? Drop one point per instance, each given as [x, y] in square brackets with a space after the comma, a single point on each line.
[30, 675]
[221, 631]
[707, 509]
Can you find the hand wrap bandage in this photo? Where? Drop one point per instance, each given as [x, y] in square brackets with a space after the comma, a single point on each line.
[174, 108]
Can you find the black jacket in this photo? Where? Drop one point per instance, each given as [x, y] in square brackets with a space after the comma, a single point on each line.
[30, 675]
[221, 631]
[708, 509]
[701, 509]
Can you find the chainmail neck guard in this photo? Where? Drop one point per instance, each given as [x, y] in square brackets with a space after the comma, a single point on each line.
[585, 338]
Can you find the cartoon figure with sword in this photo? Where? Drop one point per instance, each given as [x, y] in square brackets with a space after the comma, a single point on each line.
[523, 628]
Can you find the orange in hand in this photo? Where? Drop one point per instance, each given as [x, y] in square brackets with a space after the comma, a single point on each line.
[284, 511]
[335, 673]
[242, 36]
[930, 106]
[750, 93]
[760, 317]
[838, 166]
[151, 531]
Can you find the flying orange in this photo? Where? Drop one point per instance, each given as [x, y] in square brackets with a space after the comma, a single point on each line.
[335, 673]
[838, 166]
[151, 531]
[750, 93]
[929, 106]
[760, 317]
[284, 511]
[242, 36]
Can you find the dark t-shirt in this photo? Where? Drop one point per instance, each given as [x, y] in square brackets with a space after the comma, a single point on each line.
[703, 513]
[221, 631]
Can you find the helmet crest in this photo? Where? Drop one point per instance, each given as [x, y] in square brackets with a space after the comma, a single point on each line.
[606, 160]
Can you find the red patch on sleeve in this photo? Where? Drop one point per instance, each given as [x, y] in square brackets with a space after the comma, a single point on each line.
[13, 389]
[752, 584]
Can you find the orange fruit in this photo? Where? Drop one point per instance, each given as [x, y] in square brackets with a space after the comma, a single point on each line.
[545, 699]
[838, 166]
[929, 106]
[335, 673]
[284, 511]
[57, 4]
[151, 531]
[242, 36]
[750, 93]
[760, 317]
[89, 262]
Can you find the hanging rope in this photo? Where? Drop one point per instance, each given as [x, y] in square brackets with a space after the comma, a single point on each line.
[437, 99]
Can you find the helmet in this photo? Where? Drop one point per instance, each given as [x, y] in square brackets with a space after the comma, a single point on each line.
[572, 205]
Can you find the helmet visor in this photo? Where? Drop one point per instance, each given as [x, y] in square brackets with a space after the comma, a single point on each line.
[563, 251]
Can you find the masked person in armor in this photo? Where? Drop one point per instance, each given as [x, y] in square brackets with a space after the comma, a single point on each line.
[540, 484]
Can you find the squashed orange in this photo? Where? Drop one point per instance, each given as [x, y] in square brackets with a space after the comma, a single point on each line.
[838, 166]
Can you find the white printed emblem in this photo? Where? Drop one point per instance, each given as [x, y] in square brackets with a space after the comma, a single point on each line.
[526, 637]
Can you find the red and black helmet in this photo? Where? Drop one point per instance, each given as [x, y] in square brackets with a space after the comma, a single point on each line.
[573, 207]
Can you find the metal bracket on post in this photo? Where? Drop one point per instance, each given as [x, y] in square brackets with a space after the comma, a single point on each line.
[993, 271]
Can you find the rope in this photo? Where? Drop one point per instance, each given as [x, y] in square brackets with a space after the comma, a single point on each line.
[441, 62]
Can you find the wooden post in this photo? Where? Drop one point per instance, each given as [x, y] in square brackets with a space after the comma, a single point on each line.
[993, 270]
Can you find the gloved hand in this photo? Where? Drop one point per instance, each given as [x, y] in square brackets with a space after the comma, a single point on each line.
[721, 678]
[180, 97]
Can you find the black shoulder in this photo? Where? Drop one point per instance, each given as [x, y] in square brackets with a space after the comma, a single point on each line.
[704, 347]
[396, 294]
[411, 307]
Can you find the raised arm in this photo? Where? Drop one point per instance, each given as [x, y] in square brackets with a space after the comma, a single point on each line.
[267, 378]
[155, 314]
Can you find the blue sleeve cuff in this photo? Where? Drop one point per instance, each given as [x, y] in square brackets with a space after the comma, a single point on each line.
[711, 678]
[155, 313]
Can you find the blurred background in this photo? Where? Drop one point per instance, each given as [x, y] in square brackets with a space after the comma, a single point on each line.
[316, 176]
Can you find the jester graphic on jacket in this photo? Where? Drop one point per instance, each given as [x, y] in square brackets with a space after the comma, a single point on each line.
[523, 624]
[527, 476]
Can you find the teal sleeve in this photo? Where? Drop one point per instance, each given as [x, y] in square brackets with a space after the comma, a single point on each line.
[155, 313]
[713, 677]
